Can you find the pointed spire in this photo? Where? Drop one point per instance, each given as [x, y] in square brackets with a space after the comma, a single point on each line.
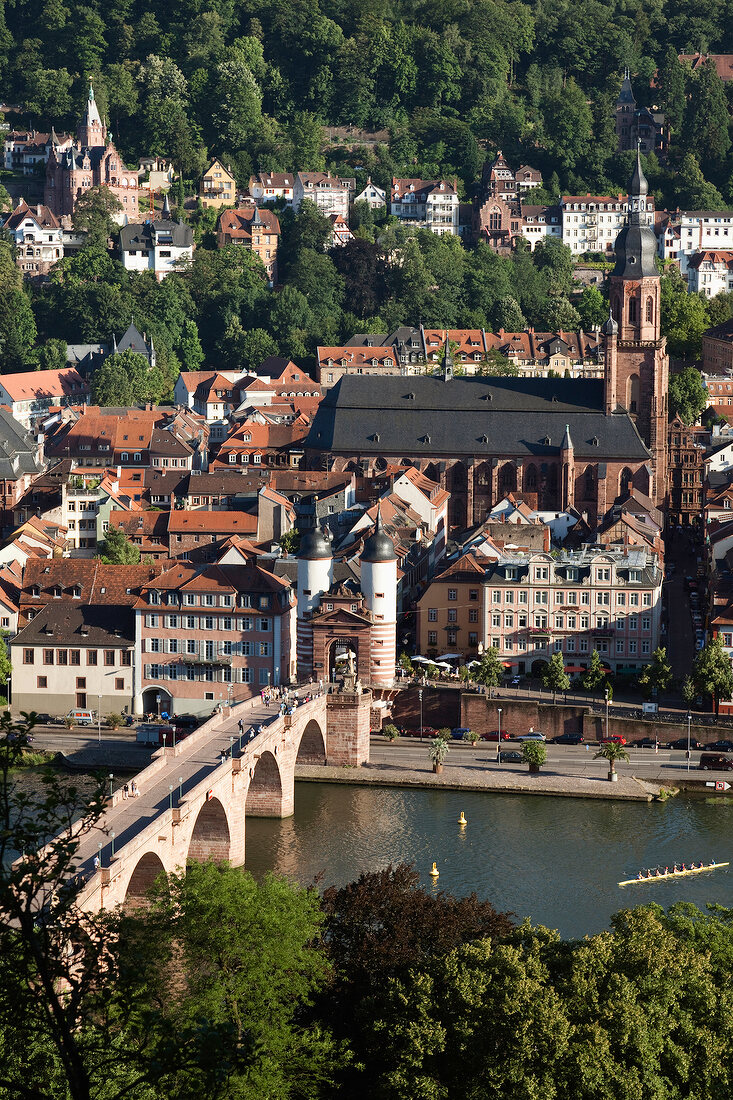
[447, 360]
[256, 219]
[567, 443]
[166, 208]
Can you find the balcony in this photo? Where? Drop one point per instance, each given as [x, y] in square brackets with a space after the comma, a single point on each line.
[603, 632]
[198, 660]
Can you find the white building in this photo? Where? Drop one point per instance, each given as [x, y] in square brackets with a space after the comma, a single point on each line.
[330, 194]
[372, 195]
[590, 223]
[38, 237]
[710, 273]
[541, 222]
[428, 204]
[159, 246]
[269, 186]
[31, 393]
[681, 235]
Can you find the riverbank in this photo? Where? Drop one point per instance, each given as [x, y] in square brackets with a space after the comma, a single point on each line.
[478, 778]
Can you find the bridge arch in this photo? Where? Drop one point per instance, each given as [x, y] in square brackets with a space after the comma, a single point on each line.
[265, 792]
[312, 747]
[210, 838]
[147, 869]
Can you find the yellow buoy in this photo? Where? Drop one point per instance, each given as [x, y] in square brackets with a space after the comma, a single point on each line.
[462, 819]
[435, 872]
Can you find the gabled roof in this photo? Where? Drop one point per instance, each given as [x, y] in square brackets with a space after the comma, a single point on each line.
[30, 385]
[238, 223]
[43, 216]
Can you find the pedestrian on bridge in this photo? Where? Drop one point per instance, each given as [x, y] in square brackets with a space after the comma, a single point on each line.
[240, 726]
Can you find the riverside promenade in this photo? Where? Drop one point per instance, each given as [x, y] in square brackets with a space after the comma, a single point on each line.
[568, 773]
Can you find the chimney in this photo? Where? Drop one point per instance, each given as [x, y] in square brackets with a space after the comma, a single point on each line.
[546, 540]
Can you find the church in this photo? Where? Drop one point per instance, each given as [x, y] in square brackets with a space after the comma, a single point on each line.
[91, 161]
[558, 442]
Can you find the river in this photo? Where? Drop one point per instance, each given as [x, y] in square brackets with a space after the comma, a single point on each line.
[555, 860]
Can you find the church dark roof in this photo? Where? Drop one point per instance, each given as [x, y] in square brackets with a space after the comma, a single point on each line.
[502, 416]
[636, 244]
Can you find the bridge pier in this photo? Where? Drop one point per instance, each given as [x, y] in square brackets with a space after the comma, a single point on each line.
[347, 721]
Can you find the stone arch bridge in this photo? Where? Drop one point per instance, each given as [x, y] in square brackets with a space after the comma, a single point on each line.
[195, 799]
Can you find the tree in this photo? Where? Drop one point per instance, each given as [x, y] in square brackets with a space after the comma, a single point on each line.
[684, 316]
[534, 753]
[439, 749]
[687, 395]
[594, 676]
[127, 379]
[494, 363]
[189, 346]
[707, 118]
[612, 751]
[6, 203]
[256, 346]
[254, 984]
[489, 670]
[52, 356]
[94, 214]
[658, 673]
[671, 82]
[554, 676]
[118, 550]
[592, 307]
[712, 672]
[693, 190]
[289, 541]
[689, 691]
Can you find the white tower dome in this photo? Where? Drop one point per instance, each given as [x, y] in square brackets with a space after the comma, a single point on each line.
[379, 586]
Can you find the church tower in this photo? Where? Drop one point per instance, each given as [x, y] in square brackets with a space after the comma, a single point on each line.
[379, 585]
[91, 131]
[636, 371]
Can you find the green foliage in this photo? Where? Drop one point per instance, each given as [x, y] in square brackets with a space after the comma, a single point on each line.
[52, 356]
[489, 670]
[554, 676]
[594, 676]
[127, 379]
[658, 673]
[712, 672]
[471, 737]
[114, 721]
[94, 213]
[612, 751]
[390, 732]
[439, 749]
[534, 752]
[118, 550]
[687, 395]
[290, 541]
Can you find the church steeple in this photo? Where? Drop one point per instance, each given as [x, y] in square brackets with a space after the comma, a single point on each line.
[447, 360]
[91, 131]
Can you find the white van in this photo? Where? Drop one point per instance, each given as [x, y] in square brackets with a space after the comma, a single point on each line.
[81, 717]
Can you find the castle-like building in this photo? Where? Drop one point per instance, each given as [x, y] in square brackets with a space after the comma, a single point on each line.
[557, 442]
[335, 618]
[91, 161]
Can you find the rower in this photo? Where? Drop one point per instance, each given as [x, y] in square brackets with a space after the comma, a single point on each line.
[712, 862]
[666, 870]
[683, 867]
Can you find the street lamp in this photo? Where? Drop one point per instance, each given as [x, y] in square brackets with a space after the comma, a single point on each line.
[689, 720]
[180, 788]
[498, 743]
[607, 712]
[231, 746]
[170, 796]
[112, 837]
[99, 857]
[99, 719]
[111, 780]
[419, 695]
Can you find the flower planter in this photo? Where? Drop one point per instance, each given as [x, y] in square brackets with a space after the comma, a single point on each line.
[613, 777]
[534, 769]
[437, 768]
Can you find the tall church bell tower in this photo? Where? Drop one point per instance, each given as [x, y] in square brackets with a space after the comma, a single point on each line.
[636, 365]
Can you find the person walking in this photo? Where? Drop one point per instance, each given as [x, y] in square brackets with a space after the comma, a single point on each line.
[125, 792]
[95, 862]
[240, 726]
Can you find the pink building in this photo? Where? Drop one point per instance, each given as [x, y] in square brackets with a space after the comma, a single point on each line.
[210, 635]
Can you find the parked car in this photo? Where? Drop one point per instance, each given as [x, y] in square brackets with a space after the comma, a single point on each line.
[568, 739]
[458, 731]
[510, 756]
[186, 721]
[494, 736]
[533, 735]
[721, 746]
[645, 743]
[614, 739]
[715, 762]
[681, 743]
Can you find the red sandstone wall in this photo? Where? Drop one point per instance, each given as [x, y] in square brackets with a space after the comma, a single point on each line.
[348, 729]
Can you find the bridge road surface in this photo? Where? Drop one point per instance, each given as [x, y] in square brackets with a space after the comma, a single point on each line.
[196, 761]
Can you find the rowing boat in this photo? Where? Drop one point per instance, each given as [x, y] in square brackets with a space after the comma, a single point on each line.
[674, 874]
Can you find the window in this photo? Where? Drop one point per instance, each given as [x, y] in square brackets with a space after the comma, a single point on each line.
[540, 621]
[634, 599]
[41, 682]
[126, 658]
[119, 683]
[473, 639]
[646, 623]
[473, 615]
[48, 656]
[452, 614]
[61, 657]
[452, 593]
[541, 573]
[81, 683]
[473, 593]
[496, 619]
[633, 623]
[109, 657]
[432, 637]
[432, 614]
[621, 599]
[522, 597]
[632, 648]
[91, 656]
[264, 625]
[29, 656]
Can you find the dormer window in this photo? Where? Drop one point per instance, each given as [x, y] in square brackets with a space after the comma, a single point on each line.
[35, 591]
[56, 592]
[76, 592]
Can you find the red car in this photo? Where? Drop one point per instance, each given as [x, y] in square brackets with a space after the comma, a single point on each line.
[494, 736]
[613, 739]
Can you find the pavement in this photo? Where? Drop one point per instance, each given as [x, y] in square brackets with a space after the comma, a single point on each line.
[680, 637]
[197, 759]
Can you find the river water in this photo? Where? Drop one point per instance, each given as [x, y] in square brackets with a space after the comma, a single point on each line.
[555, 860]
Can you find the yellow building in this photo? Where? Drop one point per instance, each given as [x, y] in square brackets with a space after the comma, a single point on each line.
[217, 187]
